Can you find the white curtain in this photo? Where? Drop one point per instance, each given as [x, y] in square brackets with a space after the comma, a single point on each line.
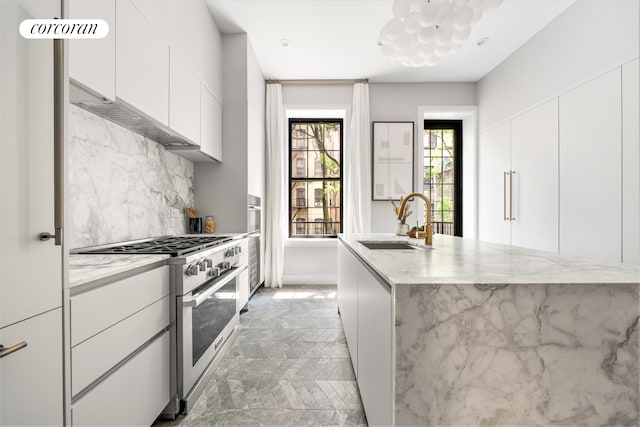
[275, 215]
[358, 165]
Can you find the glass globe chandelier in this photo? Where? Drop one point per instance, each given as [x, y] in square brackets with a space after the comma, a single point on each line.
[422, 32]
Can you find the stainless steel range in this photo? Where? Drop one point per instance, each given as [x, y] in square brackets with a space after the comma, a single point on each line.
[204, 284]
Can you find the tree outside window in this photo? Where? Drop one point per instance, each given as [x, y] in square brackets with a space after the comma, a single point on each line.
[315, 149]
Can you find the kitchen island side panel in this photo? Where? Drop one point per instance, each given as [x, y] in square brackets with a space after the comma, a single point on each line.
[517, 355]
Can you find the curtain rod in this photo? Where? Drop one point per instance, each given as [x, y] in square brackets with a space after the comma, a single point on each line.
[320, 81]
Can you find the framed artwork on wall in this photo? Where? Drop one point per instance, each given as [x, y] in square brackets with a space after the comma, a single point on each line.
[392, 158]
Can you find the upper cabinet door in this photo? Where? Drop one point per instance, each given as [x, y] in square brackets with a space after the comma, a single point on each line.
[211, 125]
[184, 99]
[590, 164]
[630, 163]
[493, 185]
[92, 63]
[534, 161]
[142, 63]
[30, 269]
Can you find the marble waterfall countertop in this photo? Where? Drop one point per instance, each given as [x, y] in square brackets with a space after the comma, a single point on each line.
[84, 269]
[486, 334]
[457, 260]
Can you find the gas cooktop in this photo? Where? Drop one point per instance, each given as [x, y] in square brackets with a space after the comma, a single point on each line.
[170, 245]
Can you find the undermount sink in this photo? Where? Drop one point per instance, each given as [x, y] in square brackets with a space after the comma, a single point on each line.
[389, 245]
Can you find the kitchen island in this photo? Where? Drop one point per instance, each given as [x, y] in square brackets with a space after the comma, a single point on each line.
[474, 333]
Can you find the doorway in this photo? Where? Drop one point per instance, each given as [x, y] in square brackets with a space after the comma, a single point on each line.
[442, 174]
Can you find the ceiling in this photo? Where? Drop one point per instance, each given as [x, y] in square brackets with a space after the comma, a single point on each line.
[337, 39]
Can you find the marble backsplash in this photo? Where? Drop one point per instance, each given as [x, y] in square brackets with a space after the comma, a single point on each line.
[122, 186]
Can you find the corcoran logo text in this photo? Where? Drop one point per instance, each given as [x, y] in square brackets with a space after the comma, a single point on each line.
[64, 29]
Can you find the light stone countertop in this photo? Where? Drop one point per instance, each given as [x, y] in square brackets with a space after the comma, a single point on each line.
[455, 260]
[488, 334]
[84, 269]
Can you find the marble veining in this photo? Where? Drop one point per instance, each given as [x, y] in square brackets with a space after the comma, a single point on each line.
[88, 268]
[524, 355]
[488, 334]
[121, 185]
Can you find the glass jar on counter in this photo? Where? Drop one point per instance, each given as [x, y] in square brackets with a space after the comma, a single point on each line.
[209, 224]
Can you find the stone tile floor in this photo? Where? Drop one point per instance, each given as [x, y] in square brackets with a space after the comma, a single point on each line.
[289, 366]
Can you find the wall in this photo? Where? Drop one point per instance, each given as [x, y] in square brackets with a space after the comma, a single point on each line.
[313, 261]
[121, 186]
[589, 38]
[401, 102]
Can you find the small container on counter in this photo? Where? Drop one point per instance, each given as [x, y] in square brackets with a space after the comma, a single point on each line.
[195, 225]
[209, 224]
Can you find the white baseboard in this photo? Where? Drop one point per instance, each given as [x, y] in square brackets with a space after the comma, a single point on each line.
[316, 279]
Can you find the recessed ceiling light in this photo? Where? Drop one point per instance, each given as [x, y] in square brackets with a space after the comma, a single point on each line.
[284, 42]
[483, 41]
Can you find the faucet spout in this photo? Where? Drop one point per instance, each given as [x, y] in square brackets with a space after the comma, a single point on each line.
[427, 233]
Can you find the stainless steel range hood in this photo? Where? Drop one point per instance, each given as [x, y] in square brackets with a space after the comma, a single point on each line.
[126, 116]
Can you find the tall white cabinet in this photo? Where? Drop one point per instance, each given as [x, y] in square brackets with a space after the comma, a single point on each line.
[565, 175]
[518, 175]
[631, 163]
[493, 170]
[31, 370]
[590, 164]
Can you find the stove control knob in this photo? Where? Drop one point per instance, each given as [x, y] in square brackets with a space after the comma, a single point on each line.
[229, 252]
[214, 272]
[192, 270]
[209, 262]
[202, 265]
[226, 265]
[237, 250]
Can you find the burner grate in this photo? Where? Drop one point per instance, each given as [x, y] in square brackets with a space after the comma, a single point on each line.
[172, 245]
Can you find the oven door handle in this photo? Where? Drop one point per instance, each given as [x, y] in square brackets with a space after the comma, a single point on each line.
[195, 301]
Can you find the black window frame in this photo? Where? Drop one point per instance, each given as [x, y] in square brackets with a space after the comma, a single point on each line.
[456, 125]
[311, 223]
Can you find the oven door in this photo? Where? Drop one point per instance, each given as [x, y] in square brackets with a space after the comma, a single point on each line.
[207, 315]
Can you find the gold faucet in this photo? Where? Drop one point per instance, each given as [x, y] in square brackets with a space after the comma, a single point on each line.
[427, 233]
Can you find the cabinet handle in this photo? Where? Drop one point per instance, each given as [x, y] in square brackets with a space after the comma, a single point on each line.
[504, 196]
[7, 351]
[511, 217]
[58, 143]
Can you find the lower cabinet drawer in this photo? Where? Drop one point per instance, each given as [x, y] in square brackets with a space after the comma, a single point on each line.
[95, 356]
[115, 301]
[135, 394]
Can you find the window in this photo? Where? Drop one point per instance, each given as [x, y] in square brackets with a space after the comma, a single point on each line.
[300, 167]
[318, 141]
[443, 174]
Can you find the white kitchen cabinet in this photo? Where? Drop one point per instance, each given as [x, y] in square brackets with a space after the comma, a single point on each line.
[135, 394]
[141, 290]
[243, 142]
[30, 269]
[210, 124]
[120, 352]
[348, 300]
[142, 63]
[493, 168]
[95, 356]
[518, 180]
[534, 162]
[365, 305]
[92, 63]
[630, 163]
[184, 98]
[590, 163]
[31, 386]
[375, 377]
